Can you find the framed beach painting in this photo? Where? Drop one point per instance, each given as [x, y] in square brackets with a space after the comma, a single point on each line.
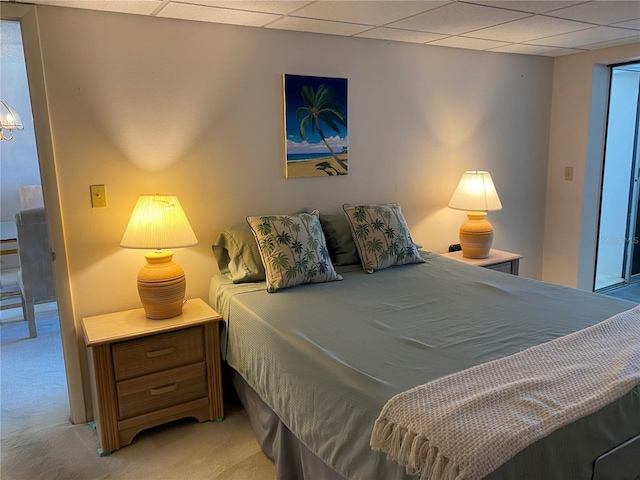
[315, 111]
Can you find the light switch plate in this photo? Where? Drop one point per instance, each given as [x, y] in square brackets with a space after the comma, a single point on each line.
[568, 173]
[98, 196]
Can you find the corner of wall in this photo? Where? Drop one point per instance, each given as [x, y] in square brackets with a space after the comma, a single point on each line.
[578, 112]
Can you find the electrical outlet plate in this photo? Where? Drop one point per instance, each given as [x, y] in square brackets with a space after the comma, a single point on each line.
[98, 196]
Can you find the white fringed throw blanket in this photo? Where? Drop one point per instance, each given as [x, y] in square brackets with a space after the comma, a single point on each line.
[464, 426]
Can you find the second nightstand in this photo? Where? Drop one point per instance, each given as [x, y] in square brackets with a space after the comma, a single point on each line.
[148, 372]
[506, 262]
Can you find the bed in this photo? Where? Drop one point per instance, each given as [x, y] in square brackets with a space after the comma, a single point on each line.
[314, 365]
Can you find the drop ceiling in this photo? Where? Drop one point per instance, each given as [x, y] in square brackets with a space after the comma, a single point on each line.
[539, 27]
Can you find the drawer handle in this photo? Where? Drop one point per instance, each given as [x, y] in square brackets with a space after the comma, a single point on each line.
[159, 353]
[163, 390]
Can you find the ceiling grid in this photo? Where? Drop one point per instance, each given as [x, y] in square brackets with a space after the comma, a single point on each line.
[530, 27]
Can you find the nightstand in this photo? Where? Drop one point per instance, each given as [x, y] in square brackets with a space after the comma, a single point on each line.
[506, 262]
[149, 372]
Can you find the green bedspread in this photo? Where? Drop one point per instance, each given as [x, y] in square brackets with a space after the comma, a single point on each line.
[326, 357]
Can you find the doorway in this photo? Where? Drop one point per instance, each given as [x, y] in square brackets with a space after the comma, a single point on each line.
[20, 182]
[618, 252]
[26, 14]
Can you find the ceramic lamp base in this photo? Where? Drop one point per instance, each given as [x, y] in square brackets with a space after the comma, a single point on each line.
[476, 235]
[161, 286]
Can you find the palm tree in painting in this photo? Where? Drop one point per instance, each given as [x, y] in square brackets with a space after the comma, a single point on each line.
[321, 105]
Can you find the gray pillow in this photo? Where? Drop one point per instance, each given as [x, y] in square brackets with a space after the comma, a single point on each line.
[340, 244]
[238, 255]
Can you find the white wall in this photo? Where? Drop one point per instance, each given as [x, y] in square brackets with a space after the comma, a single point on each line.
[149, 105]
[580, 92]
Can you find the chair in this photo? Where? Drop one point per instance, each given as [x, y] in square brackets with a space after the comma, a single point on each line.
[35, 277]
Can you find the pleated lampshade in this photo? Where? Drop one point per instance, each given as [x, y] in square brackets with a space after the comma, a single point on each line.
[158, 222]
[477, 195]
[475, 192]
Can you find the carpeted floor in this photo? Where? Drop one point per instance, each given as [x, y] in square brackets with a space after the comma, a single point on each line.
[37, 440]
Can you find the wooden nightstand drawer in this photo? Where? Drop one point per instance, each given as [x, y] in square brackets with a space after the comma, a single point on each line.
[149, 393]
[505, 267]
[134, 358]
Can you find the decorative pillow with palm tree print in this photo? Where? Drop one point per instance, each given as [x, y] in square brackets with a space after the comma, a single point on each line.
[381, 235]
[293, 249]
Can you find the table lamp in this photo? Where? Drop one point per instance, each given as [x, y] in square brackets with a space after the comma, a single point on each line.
[158, 222]
[477, 195]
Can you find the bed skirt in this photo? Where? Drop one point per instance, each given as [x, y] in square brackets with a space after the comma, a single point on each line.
[293, 460]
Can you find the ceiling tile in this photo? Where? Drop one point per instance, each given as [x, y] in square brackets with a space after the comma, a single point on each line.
[529, 28]
[601, 12]
[559, 52]
[383, 33]
[279, 7]
[469, 43]
[585, 37]
[363, 12]
[523, 49]
[532, 6]
[635, 24]
[317, 26]
[456, 18]
[610, 43]
[217, 15]
[139, 7]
